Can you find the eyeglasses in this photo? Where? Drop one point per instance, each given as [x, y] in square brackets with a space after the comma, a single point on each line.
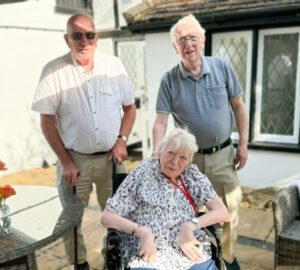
[192, 38]
[76, 36]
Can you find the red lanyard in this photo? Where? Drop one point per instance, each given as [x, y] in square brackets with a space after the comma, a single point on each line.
[186, 193]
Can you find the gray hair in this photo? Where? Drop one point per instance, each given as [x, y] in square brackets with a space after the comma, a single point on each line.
[181, 139]
[75, 16]
[189, 19]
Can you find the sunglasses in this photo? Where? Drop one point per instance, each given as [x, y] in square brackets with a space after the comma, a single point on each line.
[79, 36]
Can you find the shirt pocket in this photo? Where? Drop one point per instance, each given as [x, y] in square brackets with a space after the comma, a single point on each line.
[217, 96]
[110, 96]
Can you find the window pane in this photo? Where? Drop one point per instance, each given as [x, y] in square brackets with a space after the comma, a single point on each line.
[71, 6]
[235, 48]
[278, 83]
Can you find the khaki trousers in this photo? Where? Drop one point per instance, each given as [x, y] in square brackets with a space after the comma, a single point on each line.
[94, 169]
[219, 168]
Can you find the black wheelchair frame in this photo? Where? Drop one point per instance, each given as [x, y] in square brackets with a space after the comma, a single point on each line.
[113, 253]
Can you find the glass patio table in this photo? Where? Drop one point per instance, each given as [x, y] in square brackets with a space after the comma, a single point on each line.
[37, 219]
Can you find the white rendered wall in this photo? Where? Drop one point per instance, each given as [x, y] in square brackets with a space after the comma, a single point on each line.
[268, 168]
[160, 57]
[104, 14]
[24, 52]
[32, 13]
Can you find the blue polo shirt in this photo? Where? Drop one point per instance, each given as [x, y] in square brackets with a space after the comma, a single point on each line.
[202, 105]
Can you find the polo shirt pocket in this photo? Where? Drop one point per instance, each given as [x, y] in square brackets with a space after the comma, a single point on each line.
[217, 96]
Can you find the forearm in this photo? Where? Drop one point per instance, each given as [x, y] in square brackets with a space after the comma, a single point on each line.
[214, 217]
[114, 221]
[48, 125]
[159, 130]
[242, 124]
[217, 213]
[128, 119]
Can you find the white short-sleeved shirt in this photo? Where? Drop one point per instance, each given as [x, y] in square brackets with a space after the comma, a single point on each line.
[87, 106]
[148, 198]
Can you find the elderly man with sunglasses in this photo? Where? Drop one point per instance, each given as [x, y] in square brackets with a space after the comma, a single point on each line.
[200, 93]
[87, 112]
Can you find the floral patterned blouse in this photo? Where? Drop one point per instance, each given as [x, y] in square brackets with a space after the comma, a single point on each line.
[148, 198]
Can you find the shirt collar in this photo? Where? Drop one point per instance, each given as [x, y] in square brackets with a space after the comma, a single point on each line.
[79, 67]
[204, 68]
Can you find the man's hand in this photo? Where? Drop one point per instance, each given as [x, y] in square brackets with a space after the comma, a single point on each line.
[241, 157]
[71, 174]
[148, 251]
[119, 151]
[188, 243]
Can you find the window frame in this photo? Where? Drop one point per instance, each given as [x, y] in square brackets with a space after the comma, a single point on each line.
[271, 138]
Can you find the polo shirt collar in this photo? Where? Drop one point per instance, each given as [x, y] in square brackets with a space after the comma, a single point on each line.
[204, 68]
[183, 70]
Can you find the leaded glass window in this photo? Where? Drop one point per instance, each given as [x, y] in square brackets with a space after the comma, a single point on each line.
[277, 89]
[236, 47]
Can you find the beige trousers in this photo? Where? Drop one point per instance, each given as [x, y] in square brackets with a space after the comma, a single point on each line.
[94, 169]
[219, 168]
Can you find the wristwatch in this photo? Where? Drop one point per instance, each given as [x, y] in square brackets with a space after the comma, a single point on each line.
[123, 138]
[196, 222]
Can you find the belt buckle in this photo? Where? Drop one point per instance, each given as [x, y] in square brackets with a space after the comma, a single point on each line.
[214, 149]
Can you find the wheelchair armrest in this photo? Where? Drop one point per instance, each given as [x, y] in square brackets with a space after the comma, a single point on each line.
[216, 230]
[114, 259]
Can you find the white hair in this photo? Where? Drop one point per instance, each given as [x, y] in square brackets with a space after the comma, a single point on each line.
[189, 19]
[180, 139]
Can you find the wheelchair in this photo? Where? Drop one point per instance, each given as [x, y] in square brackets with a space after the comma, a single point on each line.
[113, 254]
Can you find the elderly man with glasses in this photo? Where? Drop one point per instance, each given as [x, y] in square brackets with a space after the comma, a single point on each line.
[200, 93]
[87, 112]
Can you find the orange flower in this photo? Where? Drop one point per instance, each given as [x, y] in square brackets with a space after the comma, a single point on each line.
[6, 191]
[2, 166]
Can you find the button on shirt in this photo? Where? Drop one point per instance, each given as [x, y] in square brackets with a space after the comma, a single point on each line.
[87, 106]
[201, 104]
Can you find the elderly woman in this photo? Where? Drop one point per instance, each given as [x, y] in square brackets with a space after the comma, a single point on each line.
[156, 209]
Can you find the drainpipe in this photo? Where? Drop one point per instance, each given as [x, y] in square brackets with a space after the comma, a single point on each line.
[116, 14]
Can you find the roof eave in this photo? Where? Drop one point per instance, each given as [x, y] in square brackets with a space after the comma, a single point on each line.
[227, 19]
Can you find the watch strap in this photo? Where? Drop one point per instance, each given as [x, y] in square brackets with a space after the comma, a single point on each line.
[123, 138]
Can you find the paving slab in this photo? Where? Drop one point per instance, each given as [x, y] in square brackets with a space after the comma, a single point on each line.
[252, 258]
[256, 224]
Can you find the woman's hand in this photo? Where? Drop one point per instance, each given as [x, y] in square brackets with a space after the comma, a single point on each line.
[148, 251]
[188, 243]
